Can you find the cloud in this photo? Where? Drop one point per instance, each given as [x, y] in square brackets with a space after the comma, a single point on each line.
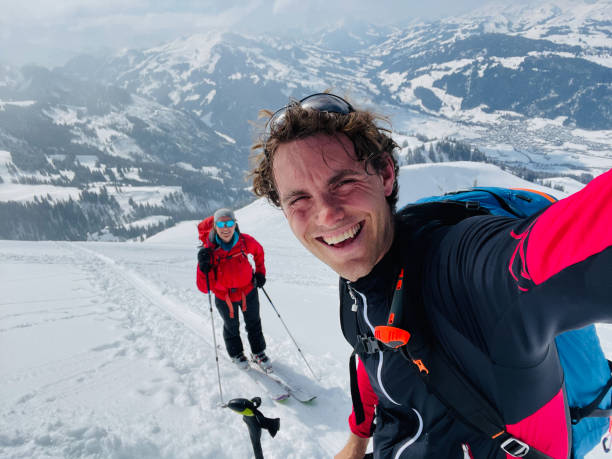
[51, 31]
[45, 13]
[282, 6]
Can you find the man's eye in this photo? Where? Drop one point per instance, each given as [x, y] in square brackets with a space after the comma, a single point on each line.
[297, 200]
[346, 182]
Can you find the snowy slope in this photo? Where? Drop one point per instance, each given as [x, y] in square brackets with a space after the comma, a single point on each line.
[106, 348]
[526, 84]
[421, 180]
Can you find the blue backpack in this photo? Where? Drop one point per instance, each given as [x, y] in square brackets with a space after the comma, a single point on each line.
[587, 371]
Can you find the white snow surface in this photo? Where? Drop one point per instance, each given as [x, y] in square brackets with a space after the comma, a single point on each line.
[26, 193]
[148, 221]
[10, 191]
[16, 103]
[106, 349]
[422, 180]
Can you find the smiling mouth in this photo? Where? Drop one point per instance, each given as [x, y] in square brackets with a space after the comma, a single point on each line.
[344, 238]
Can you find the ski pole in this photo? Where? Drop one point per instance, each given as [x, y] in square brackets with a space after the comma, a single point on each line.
[289, 333]
[212, 322]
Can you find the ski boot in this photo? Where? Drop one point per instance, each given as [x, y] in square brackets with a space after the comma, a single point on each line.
[263, 361]
[241, 361]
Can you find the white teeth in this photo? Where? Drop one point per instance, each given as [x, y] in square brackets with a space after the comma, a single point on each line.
[331, 240]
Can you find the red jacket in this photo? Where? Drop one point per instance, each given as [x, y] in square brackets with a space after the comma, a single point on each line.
[231, 275]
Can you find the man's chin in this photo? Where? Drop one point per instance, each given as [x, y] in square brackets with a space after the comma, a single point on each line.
[352, 271]
[351, 268]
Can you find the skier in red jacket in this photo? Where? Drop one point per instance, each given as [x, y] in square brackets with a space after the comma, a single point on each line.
[224, 267]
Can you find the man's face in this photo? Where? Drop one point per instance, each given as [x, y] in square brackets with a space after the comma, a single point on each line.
[336, 210]
[226, 233]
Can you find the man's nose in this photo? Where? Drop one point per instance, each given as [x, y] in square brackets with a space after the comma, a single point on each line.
[329, 210]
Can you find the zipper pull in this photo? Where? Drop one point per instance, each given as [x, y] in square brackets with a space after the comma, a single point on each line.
[354, 305]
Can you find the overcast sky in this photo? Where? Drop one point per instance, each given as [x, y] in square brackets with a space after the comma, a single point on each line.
[48, 32]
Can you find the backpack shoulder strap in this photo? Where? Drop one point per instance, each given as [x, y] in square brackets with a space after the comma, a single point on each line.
[242, 239]
[348, 325]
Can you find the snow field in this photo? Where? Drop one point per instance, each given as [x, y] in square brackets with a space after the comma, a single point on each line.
[115, 359]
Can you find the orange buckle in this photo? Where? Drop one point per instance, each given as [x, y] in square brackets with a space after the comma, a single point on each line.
[391, 336]
[422, 368]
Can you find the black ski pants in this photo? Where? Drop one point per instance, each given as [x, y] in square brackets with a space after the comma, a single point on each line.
[231, 327]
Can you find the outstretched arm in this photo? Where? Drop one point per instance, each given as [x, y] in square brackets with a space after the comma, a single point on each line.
[572, 231]
[566, 254]
[519, 283]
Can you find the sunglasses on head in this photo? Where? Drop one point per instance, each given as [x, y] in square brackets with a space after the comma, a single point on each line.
[322, 101]
[225, 224]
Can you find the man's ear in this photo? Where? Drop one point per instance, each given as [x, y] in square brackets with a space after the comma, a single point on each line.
[388, 175]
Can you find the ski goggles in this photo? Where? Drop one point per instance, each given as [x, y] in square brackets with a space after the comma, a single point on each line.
[225, 224]
[321, 101]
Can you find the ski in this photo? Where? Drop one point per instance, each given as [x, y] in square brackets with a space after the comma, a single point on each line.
[291, 386]
[274, 388]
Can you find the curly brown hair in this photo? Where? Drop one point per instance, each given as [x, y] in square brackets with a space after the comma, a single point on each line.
[372, 143]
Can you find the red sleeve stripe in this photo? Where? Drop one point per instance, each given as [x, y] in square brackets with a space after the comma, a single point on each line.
[520, 251]
[571, 230]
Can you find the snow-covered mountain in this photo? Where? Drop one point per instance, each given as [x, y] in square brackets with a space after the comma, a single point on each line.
[523, 87]
[106, 349]
[542, 61]
[525, 84]
[61, 138]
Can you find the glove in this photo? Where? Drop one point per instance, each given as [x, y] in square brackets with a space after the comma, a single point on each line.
[260, 280]
[205, 259]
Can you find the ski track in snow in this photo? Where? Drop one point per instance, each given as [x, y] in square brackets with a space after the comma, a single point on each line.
[150, 389]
